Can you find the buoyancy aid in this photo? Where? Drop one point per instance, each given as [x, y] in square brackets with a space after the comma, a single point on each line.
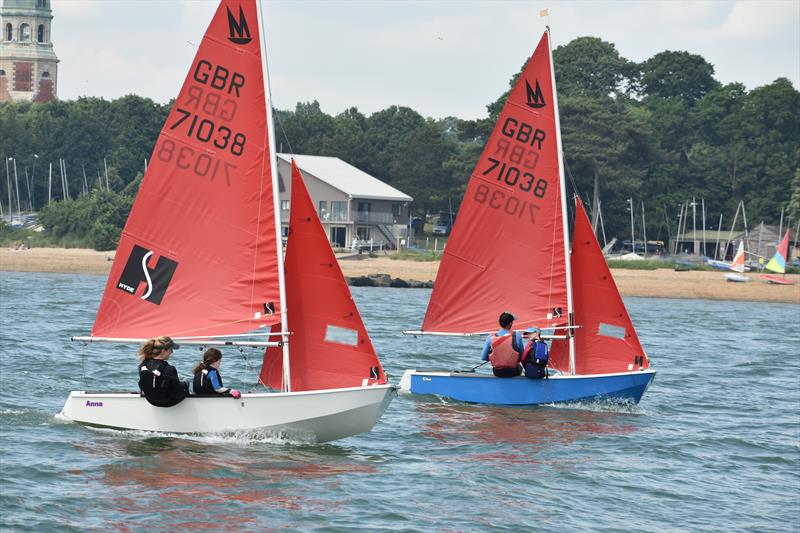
[159, 383]
[504, 353]
[534, 360]
[150, 381]
[202, 382]
[536, 353]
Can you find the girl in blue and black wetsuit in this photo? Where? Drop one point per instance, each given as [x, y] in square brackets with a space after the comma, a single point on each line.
[207, 381]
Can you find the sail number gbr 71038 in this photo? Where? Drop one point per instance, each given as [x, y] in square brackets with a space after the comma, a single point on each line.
[205, 130]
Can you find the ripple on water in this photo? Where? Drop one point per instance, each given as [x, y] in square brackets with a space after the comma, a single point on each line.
[714, 445]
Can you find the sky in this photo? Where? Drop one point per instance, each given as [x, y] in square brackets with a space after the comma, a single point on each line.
[443, 58]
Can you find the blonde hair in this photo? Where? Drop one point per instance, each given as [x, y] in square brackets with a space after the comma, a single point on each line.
[211, 356]
[153, 348]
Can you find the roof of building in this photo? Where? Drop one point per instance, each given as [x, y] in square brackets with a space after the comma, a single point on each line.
[345, 177]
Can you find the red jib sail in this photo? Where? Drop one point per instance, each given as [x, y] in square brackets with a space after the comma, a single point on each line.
[198, 254]
[606, 341]
[506, 251]
[329, 345]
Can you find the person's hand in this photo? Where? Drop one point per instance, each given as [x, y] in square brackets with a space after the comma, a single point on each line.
[236, 394]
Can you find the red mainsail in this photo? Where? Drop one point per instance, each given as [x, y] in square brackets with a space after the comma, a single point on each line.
[506, 251]
[606, 341]
[198, 255]
[329, 345]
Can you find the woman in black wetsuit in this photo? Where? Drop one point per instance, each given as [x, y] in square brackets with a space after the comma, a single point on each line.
[158, 380]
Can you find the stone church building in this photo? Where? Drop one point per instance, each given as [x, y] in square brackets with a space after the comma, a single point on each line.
[28, 64]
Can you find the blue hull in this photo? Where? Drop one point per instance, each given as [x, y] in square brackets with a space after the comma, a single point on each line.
[626, 387]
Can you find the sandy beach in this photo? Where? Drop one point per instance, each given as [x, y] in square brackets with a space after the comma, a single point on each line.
[661, 283]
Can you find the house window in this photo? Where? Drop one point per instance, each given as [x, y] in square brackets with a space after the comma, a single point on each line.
[323, 210]
[40, 33]
[363, 207]
[2, 73]
[285, 205]
[397, 209]
[363, 233]
[25, 33]
[45, 74]
[338, 210]
[9, 32]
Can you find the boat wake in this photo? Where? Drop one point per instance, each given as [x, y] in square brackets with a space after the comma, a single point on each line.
[239, 438]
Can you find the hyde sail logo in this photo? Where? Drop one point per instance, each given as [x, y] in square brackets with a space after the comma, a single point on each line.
[535, 98]
[238, 29]
[157, 278]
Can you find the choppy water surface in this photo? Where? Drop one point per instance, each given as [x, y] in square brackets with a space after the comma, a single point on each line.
[714, 445]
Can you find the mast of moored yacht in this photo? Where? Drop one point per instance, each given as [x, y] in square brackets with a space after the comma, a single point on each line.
[273, 163]
[563, 189]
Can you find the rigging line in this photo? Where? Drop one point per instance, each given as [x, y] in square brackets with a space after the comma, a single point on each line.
[283, 131]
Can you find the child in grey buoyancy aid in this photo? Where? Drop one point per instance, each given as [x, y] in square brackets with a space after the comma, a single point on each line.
[535, 355]
[207, 381]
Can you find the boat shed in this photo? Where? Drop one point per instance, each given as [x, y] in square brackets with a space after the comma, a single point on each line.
[351, 204]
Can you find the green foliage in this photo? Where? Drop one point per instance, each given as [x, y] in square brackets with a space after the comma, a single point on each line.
[660, 132]
[426, 256]
[95, 220]
[589, 66]
[677, 75]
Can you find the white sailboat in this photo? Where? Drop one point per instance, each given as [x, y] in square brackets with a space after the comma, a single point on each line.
[200, 260]
[737, 265]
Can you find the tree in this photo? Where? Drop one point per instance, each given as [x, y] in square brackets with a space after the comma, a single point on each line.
[677, 75]
[589, 66]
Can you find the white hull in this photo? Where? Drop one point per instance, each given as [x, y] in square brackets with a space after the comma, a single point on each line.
[737, 278]
[316, 416]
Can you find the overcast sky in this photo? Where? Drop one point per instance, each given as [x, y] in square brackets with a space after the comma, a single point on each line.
[445, 58]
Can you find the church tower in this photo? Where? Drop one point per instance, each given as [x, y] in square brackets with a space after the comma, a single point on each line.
[28, 65]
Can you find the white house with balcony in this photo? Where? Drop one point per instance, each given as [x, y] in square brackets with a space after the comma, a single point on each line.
[351, 203]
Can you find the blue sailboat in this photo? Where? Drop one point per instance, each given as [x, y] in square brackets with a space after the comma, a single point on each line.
[510, 251]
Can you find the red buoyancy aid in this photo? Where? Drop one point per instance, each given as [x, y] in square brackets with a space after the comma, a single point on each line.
[503, 354]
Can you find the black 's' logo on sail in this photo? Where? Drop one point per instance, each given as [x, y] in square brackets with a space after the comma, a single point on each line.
[157, 278]
[535, 98]
[240, 32]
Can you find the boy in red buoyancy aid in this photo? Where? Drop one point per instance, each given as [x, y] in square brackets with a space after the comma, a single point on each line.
[503, 349]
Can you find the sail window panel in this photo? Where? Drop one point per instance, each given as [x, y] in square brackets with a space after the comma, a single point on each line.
[341, 335]
[285, 205]
[610, 330]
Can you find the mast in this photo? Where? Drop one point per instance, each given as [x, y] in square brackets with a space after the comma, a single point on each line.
[273, 163]
[644, 232]
[563, 187]
[633, 236]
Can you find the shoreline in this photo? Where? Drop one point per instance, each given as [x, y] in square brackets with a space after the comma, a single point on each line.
[661, 283]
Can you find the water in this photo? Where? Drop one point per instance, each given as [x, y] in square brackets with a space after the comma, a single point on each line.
[714, 445]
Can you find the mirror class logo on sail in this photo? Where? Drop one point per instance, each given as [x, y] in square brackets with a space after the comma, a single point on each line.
[511, 164]
[206, 110]
[156, 279]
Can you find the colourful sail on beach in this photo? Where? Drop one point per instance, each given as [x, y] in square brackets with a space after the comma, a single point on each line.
[737, 264]
[198, 252]
[506, 250]
[778, 261]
